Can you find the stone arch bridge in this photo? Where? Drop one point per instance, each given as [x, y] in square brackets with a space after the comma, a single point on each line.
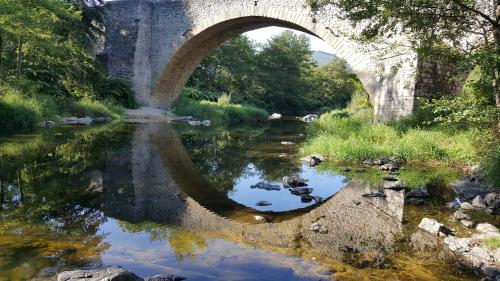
[157, 44]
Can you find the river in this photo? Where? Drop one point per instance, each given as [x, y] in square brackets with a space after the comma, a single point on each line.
[171, 198]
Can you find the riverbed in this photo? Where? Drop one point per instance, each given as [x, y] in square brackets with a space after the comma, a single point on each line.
[167, 198]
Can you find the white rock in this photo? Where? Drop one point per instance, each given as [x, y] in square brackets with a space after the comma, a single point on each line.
[496, 255]
[479, 256]
[478, 202]
[275, 116]
[259, 219]
[194, 123]
[467, 223]
[310, 118]
[466, 206]
[485, 228]
[490, 198]
[206, 123]
[430, 225]
[460, 245]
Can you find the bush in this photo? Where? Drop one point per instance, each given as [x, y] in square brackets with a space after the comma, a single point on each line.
[117, 89]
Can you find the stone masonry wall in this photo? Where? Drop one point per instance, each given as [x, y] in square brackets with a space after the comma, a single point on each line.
[157, 44]
[437, 78]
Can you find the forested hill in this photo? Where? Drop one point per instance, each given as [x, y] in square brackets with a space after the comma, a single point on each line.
[322, 58]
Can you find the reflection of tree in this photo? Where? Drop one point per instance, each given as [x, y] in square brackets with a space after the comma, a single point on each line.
[223, 154]
[42, 220]
[183, 242]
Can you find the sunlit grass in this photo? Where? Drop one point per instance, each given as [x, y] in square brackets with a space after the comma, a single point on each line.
[492, 242]
[223, 112]
[354, 139]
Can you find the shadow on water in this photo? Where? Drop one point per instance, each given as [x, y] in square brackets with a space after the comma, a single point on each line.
[142, 197]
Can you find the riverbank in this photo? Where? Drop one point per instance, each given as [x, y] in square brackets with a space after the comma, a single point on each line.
[350, 138]
[21, 111]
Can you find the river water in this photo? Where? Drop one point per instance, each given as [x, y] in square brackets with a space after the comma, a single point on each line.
[175, 199]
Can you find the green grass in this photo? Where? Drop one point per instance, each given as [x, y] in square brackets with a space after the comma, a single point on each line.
[93, 108]
[222, 112]
[492, 242]
[20, 111]
[354, 139]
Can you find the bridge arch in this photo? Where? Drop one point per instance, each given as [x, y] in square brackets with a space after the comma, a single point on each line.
[157, 45]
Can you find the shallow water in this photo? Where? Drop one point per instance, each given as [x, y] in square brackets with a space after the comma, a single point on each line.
[157, 198]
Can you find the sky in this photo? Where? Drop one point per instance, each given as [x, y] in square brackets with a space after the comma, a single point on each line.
[263, 34]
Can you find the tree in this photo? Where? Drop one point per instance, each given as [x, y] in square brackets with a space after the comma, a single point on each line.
[469, 26]
[284, 65]
[334, 84]
[229, 68]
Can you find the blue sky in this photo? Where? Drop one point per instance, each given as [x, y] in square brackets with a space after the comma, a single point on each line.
[263, 34]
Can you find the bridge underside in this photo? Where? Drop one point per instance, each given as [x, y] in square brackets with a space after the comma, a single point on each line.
[158, 44]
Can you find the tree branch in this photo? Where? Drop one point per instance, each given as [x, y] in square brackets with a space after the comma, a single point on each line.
[481, 14]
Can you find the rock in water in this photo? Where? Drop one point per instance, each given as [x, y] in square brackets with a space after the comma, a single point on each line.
[306, 198]
[434, 227]
[391, 167]
[165, 278]
[418, 193]
[301, 190]
[470, 187]
[313, 160]
[263, 203]
[310, 118]
[275, 116]
[266, 186]
[206, 123]
[294, 181]
[99, 274]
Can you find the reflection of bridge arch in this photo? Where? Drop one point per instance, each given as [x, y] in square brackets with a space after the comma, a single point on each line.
[354, 222]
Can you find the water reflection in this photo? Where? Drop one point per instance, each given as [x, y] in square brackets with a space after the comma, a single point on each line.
[146, 198]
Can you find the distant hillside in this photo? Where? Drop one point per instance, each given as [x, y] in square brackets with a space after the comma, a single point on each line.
[322, 58]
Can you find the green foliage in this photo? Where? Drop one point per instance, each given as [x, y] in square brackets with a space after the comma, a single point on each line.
[490, 163]
[45, 55]
[116, 89]
[467, 110]
[195, 94]
[279, 76]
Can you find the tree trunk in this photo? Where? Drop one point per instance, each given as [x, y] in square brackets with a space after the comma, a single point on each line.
[19, 56]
